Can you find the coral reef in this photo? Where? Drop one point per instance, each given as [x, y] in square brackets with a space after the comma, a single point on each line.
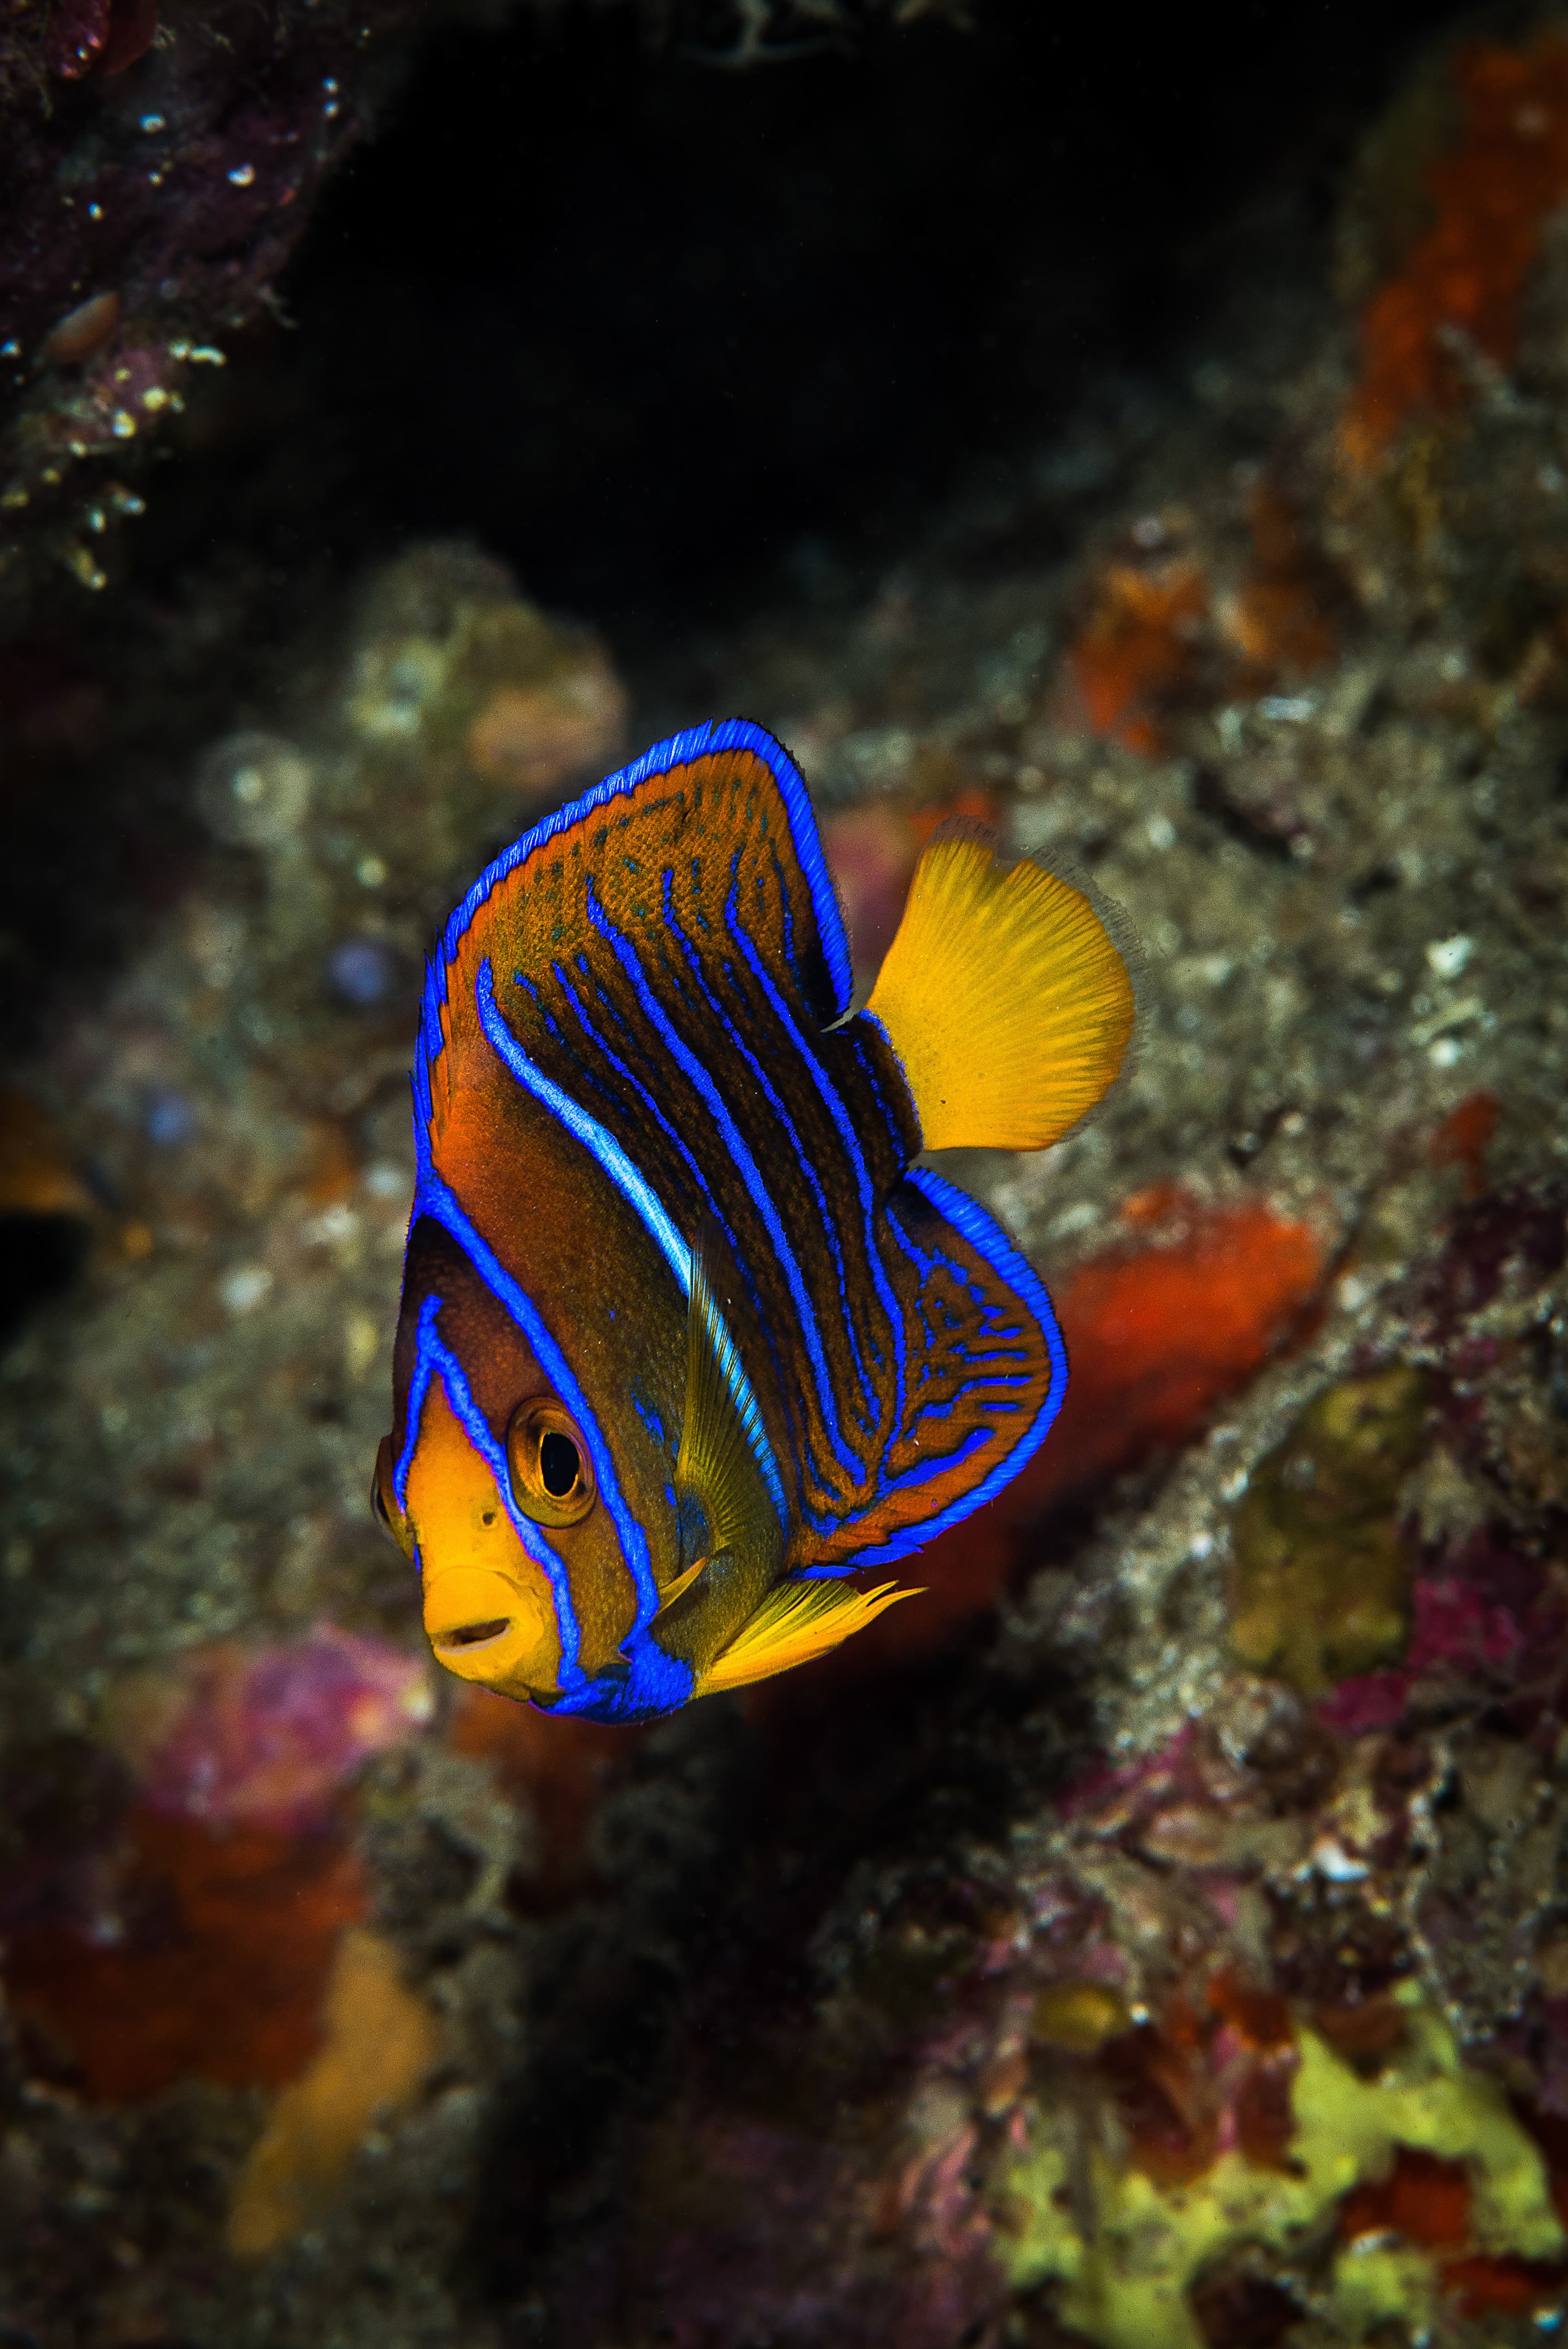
[1157, 1931]
[1141, 2242]
[1319, 1579]
[1452, 307]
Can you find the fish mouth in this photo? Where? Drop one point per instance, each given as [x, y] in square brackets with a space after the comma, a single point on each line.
[486, 1626]
[473, 1635]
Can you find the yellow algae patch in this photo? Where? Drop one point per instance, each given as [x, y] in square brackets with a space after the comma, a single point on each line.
[1320, 1589]
[1125, 2278]
[1079, 2015]
[380, 2041]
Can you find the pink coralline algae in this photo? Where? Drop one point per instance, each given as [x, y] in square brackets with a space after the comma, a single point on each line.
[1489, 1621]
[265, 1736]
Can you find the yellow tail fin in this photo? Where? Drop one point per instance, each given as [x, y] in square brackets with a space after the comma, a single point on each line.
[1005, 997]
[796, 1622]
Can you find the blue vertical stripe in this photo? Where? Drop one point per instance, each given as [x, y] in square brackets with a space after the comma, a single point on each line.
[745, 1165]
[433, 1198]
[870, 1412]
[834, 1104]
[594, 1138]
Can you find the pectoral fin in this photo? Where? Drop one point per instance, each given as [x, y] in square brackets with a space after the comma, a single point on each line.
[727, 1481]
[796, 1622]
[728, 1616]
[725, 1461]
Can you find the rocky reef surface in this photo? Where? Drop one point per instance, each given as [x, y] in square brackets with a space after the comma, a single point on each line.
[158, 166]
[1157, 1933]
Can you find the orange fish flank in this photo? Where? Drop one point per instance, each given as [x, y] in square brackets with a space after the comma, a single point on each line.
[1491, 196]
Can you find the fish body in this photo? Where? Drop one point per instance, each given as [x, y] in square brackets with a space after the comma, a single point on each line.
[687, 1337]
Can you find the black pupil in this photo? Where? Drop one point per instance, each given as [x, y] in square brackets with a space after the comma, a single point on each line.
[559, 1466]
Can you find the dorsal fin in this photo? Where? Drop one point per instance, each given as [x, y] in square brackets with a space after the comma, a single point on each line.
[796, 1622]
[725, 1456]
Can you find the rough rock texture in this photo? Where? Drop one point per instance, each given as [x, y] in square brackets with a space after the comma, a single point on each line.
[1158, 1934]
[158, 165]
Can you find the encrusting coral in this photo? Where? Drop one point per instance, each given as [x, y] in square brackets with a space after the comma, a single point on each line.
[380, 2041]
[1127, 2247]
[1320, 1574]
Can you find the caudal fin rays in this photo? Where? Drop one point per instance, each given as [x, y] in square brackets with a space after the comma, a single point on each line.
[1007, 994]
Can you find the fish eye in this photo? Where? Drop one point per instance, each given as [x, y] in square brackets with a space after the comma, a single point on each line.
[551, 1480]
[560, 1464]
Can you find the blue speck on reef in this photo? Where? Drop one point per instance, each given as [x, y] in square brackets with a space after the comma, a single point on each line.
[362, 972]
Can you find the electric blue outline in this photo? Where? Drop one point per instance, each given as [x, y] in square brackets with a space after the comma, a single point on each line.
[693, 743]
[990, 1243]
[871, 1019]
[418, 1387]
[656, 1684]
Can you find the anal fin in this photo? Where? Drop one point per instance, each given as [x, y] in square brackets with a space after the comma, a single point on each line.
[796, 1622]
[1006, 995]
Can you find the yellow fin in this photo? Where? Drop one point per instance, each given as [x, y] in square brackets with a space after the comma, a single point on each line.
[725, 1458]
[1007, 999]
[796, 1622]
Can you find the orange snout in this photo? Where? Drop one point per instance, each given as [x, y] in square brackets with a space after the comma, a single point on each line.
[486, 1627]
[488, 1610]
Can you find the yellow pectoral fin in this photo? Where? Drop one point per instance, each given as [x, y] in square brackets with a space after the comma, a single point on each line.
[1007, 999]
[725, 1460]
[796, 1622]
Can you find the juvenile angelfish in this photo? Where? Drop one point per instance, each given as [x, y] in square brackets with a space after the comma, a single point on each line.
[687, 1337]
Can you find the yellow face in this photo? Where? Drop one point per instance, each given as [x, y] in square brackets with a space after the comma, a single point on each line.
[488, 1610]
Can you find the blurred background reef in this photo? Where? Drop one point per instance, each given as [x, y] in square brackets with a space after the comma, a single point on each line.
[1153, 439]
